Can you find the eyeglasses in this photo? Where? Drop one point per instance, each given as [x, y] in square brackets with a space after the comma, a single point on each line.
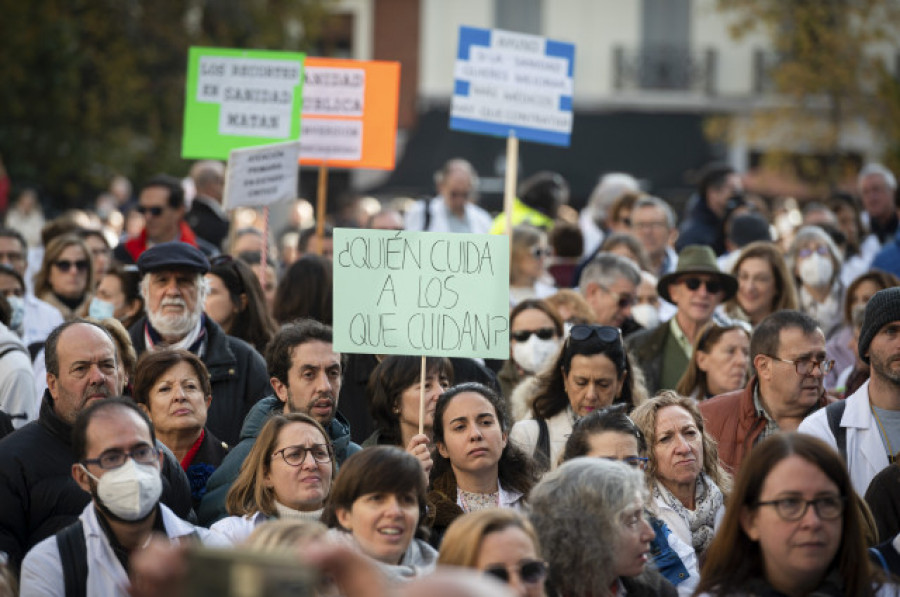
[538, 252]
[531, 572]
[806, 252]
[622, 300]
[829, 507]
[154, 211]
[542, 333]
[142, 454]
[65, 265]
[296, 455]
[806, 366]
[11, 256]
[712, 286]
[638, 462]
[606, 333]
[650, 225]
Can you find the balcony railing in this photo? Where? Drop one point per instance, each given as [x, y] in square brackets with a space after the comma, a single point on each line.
[665, 68]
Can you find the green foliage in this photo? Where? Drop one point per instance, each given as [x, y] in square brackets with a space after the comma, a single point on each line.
[93, 88]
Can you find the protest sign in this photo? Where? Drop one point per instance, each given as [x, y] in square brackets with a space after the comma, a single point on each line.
[240, 98]
[349, 113]
[507, 81]
[261, 175]
[421, 293]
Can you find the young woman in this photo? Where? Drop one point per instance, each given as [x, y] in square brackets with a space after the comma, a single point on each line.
[764, 284]
[476, 467]
[378, 504]
[66, 278]
[719, 363]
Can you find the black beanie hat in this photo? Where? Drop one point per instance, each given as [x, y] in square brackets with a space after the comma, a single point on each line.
[883, 308]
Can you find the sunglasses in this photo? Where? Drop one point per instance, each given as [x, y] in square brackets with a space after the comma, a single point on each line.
[65, 265]
[606, 333]
[538, 252]
[531, 572]
[153, 211]
[712, 286]
[542, 333]
[623, 300]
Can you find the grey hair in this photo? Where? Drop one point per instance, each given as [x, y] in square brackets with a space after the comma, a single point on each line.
[458, 164]
[651, 201]
[880, 169]
[817, 234]
[577, 512]
[606, 268]
[200, 282]
[610, 187]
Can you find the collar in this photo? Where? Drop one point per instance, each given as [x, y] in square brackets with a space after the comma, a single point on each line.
[680, 337]
[122, 554]
[189, 457]
[51, 421]
[212, 204]
[886, 231]
[194, 341]
[757, 405]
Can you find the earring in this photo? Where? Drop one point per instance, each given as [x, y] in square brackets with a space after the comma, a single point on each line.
[396, 410]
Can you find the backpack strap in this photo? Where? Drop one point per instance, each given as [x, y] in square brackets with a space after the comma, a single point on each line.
[73, 556]
[834, 412]
[542, 448]
[426, 222]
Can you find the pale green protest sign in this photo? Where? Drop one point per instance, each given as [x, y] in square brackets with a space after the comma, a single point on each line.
[421, 293]
[240, 98]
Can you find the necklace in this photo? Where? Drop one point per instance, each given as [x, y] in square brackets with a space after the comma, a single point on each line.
[472, 502]
[887, 440]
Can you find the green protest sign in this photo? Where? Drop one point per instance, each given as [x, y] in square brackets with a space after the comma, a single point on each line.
[240, 98]
[421, 293]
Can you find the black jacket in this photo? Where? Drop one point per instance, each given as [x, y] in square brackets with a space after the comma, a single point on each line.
[237, 372]
[702, 227]
[38, 495]
[206, 223]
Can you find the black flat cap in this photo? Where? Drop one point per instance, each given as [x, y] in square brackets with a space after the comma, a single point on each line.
[173, 255]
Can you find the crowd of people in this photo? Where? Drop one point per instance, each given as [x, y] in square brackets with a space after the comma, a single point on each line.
[703, 408]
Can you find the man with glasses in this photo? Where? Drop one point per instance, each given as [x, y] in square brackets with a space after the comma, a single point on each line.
[787, 351]
[653, 223]
[118, 465]
[37, 491]
[454, 209]
[161, 202]
[306, 374]
[865, 427]
[696, 288]
[609, 285]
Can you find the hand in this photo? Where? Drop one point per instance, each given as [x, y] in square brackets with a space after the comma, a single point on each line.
[355, 574]
[159, 569]
[418, 447]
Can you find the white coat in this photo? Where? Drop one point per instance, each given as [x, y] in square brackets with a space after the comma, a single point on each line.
[866, 456]
[525, 434]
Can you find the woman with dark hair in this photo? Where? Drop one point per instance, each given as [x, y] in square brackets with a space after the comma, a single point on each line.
[793, 527]
[287, 475]
[611, 434]
[535, 333]
[476, 467]
[305, 291]
[119, 296]
[394, 392]
[66, 277]
[764, 284]
[172, 386]
[591, 371]
[378, 502]
[235, 301]
[719, 362]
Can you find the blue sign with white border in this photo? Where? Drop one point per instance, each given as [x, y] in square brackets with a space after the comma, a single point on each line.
[513, 82]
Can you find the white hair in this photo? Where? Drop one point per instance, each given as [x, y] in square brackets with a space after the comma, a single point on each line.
[875, 168]
[610, 187]
[178, 325]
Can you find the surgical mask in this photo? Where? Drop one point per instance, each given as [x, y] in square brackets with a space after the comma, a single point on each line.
[646, 315]
[101, 309]
[17, 304]
[130, 491]
[816, 270]
[534, 352]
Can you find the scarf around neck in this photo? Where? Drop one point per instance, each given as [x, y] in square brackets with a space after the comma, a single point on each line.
[708, 499]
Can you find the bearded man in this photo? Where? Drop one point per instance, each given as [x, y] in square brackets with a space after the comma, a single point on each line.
[174, 290]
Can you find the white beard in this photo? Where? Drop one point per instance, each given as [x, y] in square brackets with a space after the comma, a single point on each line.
[178, 325]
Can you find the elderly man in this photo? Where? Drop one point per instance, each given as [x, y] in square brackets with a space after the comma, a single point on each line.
[306, 375]
[609, 284]
[865, 427]
[174, 291]
[118, 465]
[37, 491]
[206, 217]
[454, 209]
[787, 351]
[161, 202]
[696, 288]
[878, 189]
[653, 223]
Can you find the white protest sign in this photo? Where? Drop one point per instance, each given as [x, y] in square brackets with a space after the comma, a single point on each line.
[261, 175]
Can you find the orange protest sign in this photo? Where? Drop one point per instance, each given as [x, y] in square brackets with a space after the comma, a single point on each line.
[349, 115]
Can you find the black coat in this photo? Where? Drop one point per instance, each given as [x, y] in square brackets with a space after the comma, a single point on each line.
[237, 373]
[206, 223]
[38, 495]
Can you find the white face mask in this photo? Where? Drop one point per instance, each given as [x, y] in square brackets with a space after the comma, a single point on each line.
[646, 315]
[816, 270]
[533, 353]
[101, 309]
[130, 491]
